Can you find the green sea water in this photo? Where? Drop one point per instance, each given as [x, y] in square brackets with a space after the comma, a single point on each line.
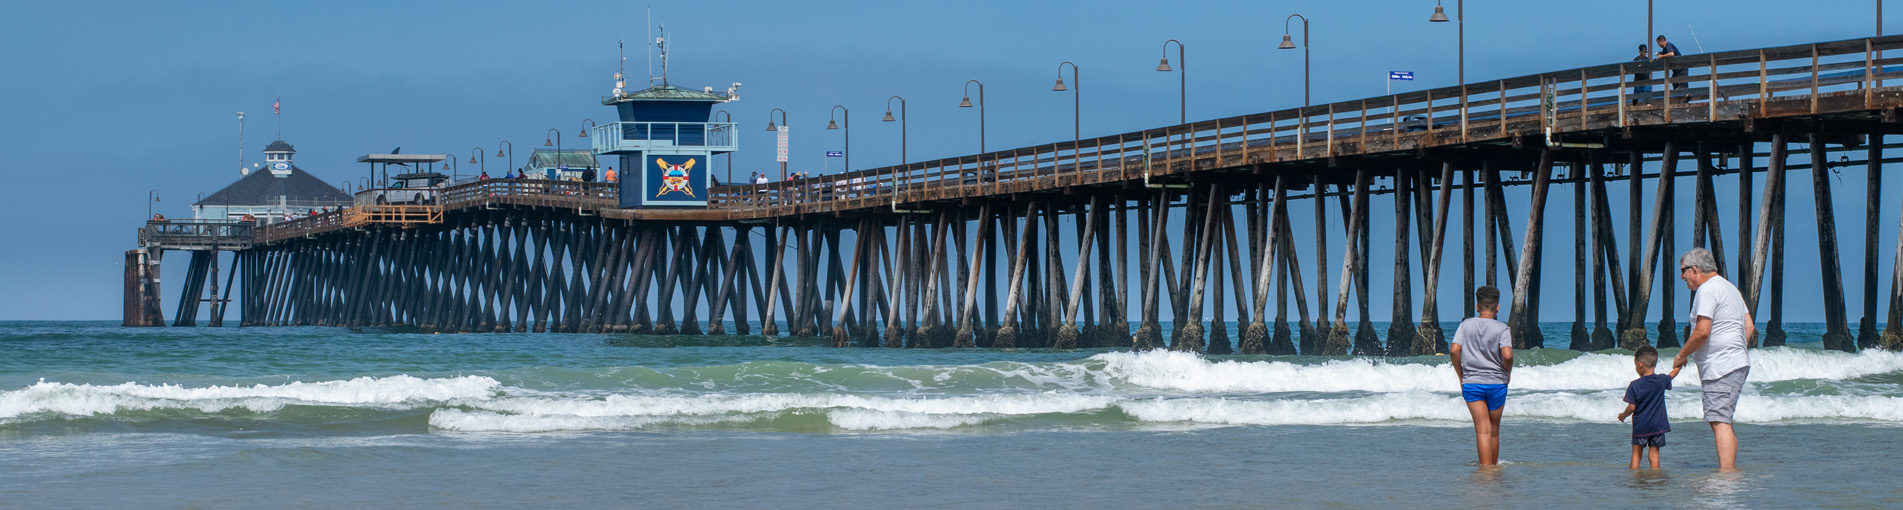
[96, 415]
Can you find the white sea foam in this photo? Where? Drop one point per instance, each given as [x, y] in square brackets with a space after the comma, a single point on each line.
[393, 391]
[1600, 407]
[1190, 373]
[850, 412]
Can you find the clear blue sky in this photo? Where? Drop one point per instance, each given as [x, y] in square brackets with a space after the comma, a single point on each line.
[105, 101]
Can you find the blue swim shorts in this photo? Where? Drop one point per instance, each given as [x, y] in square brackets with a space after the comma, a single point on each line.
[1494, 394]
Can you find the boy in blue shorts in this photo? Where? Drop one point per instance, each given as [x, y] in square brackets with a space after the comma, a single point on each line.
[1645, 402]
[1482, 356]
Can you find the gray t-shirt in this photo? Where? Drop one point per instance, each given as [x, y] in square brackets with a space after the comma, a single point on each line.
[1480, 341]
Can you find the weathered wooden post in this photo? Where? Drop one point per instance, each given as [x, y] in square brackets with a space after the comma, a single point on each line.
[1067, 334]
[1836, 317]
[1339, 343]
[1430, 338]
[1400, 329]
[1581, 338]
[1867, 336]
[1525, 335]
[1008, 333]
[1189, 337]
[1668, 255]
[1255, 337]
[1634, 335]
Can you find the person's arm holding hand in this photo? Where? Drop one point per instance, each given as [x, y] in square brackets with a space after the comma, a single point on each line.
[1629, 409]
[1701, 333]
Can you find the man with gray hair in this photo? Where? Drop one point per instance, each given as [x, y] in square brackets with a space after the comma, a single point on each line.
[1720, 325]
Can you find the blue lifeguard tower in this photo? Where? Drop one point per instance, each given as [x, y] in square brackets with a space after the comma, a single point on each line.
[665, 142]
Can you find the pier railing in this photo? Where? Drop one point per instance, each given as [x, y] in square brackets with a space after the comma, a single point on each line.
[197, 234]
[1760, 83]
[1556, 107]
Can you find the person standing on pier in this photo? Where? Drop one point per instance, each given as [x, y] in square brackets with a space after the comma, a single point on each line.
[1645, 54]
[1666, 50]
[1720, 326]
[1482, 356]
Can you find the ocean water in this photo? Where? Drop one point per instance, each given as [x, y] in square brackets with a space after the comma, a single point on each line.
[93, 415]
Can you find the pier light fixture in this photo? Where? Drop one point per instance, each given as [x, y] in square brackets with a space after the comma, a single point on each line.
[966, 103]
[511, 154]
[1182, 77]
[1460, 70]
[484, 162]
[830, 124]
[1076, 102]
[902, 122]
[729, 120]
[558, 150]
[771, 127]
[151, 197]
[584, 131]
[1289, 44]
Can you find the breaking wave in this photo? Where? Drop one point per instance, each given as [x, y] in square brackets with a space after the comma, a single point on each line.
[1109, 389]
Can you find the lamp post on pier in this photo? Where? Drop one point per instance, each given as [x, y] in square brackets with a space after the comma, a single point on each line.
[151, 197]
[511, 153]
[902, 120]
[483, 163]
[773, 128]
[831, 124]
[1076, 102]
[558, 151]
[966, 103]
[1460, 22]
[1182, 76]
[1289, 44]
[729, 155]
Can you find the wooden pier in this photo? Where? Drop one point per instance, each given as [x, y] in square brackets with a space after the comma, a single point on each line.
[970, 251]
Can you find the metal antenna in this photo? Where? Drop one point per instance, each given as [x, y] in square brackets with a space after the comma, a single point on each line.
[650, 44]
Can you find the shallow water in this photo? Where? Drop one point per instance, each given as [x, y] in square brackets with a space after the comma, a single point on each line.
[96, 415]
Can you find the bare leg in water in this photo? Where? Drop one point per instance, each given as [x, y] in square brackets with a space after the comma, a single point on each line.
[1486, 431]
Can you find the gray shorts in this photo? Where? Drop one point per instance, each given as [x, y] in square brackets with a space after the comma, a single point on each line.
[1721, 395]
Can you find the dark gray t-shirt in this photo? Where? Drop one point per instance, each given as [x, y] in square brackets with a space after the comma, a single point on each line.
[1480, 341]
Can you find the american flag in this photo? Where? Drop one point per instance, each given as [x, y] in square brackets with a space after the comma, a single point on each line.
[274, 106]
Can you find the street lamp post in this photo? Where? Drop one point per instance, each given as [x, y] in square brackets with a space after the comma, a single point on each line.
[558, 151]
[966, 103]
[771, 127]
[1460, 21]
[590, 124]
[511, 153]
[150, 198]
[902, 121]
[1076, 102]
[830, 124]
[729, 155]
[475, 154]
[1289, 44]
[1182, 76]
